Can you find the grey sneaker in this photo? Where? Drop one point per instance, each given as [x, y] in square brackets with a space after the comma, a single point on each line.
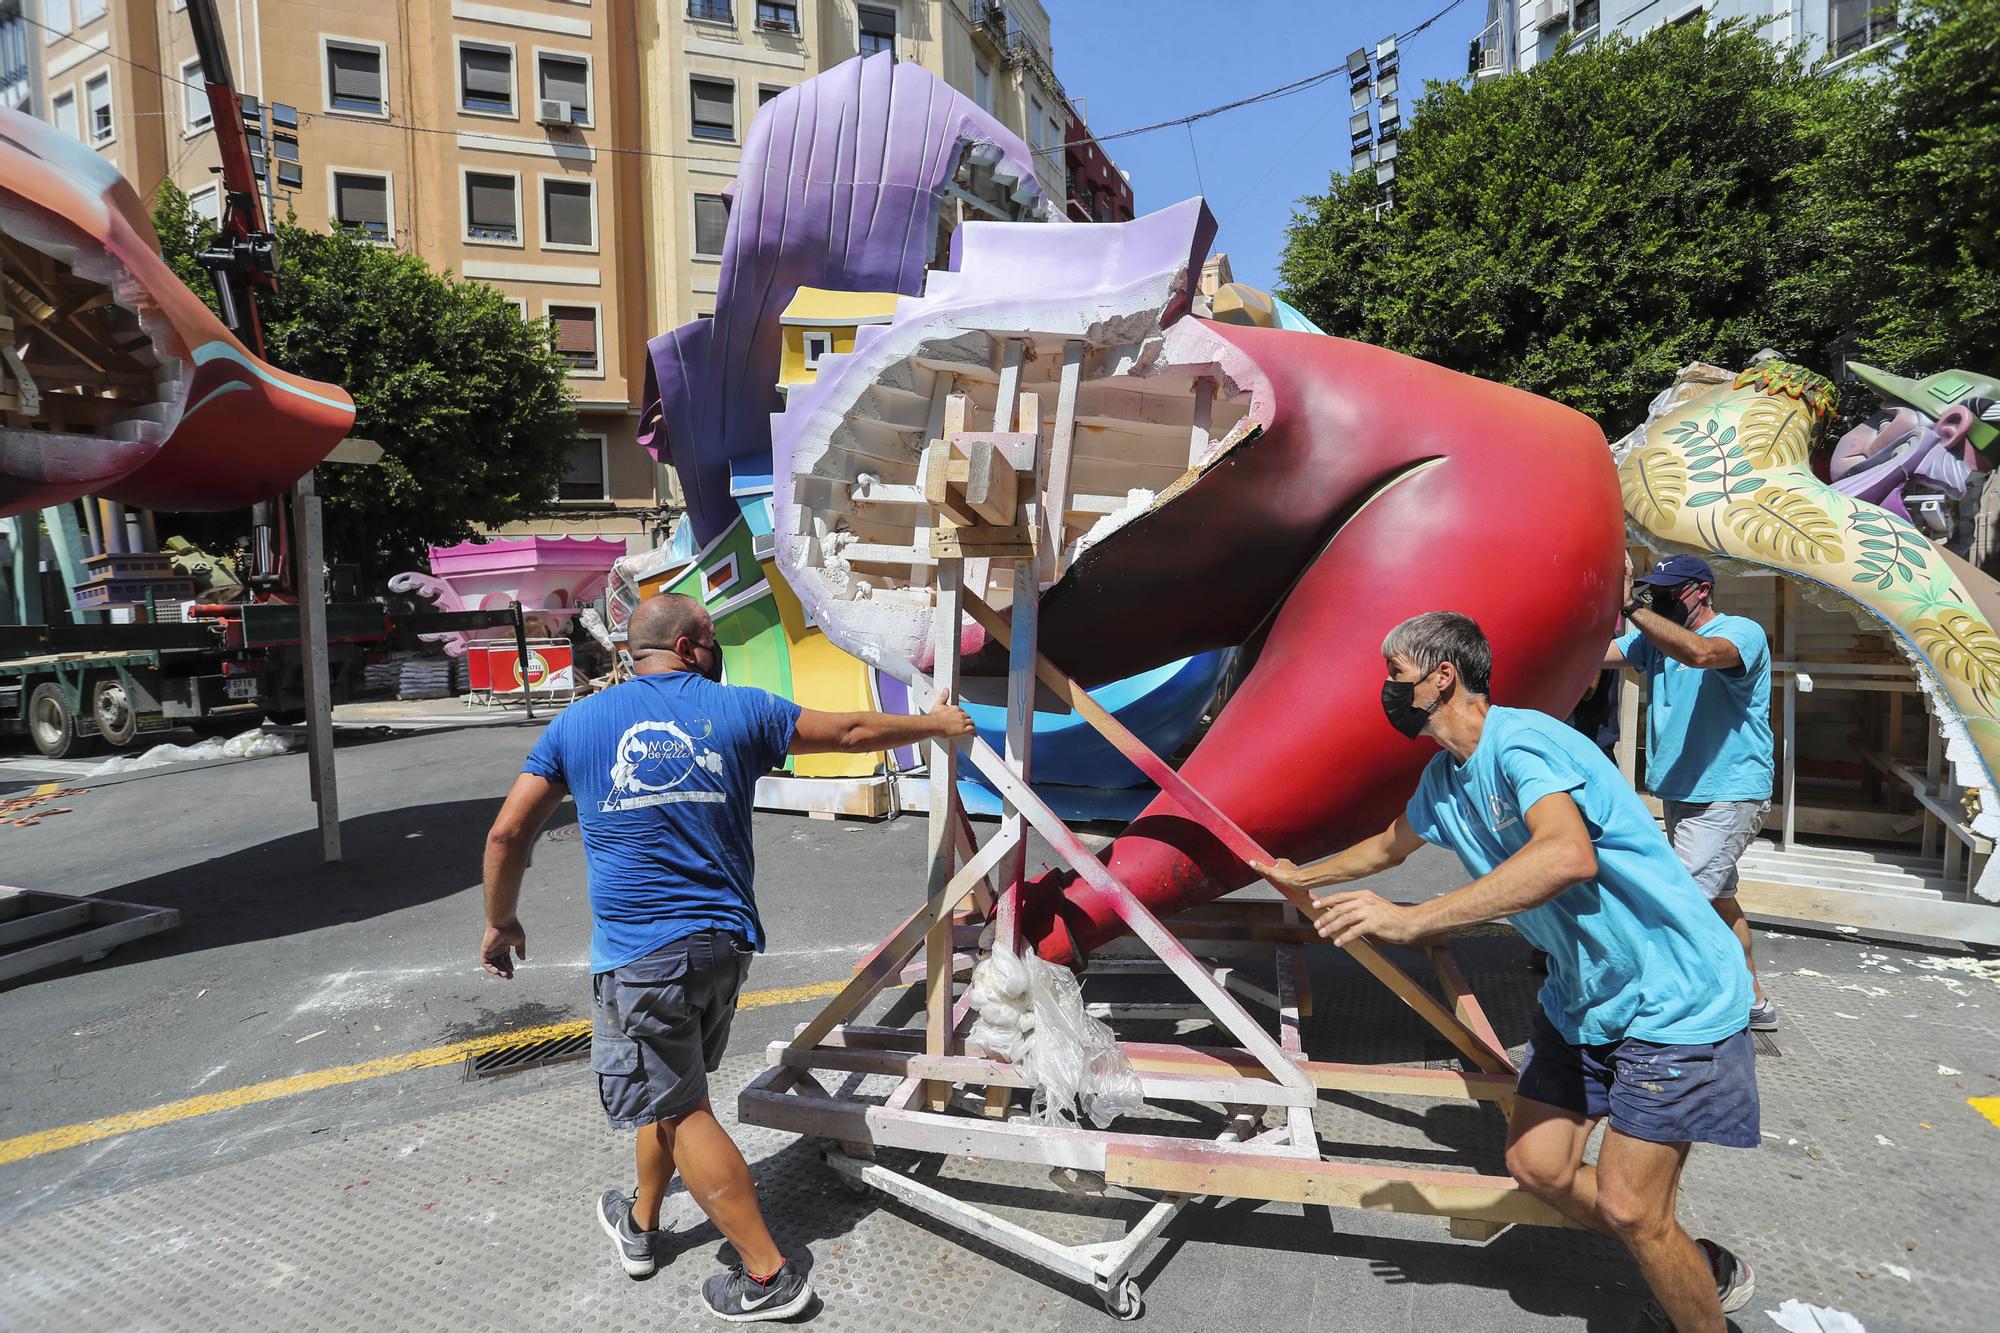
[633, 1247]
[1735, 1284]
[1764, 1016]
[742, 1299]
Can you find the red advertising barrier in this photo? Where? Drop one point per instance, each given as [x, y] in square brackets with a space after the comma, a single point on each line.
[551, 668]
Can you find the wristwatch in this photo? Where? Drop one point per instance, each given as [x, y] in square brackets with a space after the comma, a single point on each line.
[1635, 604]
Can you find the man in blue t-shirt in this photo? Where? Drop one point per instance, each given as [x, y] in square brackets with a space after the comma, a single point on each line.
[664, 770]
[1708, 730]
[1641, 1020]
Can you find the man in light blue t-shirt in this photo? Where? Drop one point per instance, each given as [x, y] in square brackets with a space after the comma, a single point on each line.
[664, 770]
[1708, 730]
[1642, 1019]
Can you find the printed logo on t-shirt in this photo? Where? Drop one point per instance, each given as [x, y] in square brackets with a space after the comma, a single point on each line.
[654, 760]
[1500, 811]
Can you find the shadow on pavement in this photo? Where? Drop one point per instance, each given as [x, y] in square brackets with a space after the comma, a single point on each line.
[393, 859]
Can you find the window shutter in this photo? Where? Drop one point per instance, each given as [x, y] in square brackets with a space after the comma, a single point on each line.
[566, 81]
[356, 74]
[566, 213]
[361, 201]
[711, 222]
[576, 330]
[583, 471]
[487, 73]
[714, 104]
[489, 202]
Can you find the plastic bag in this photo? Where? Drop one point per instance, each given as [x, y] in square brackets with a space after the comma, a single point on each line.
[1031, 1014]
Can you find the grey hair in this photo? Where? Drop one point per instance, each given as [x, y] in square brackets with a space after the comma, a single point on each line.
[1444, 636]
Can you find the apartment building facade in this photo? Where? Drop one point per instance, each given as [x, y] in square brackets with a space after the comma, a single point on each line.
[571, 153]
[1521, 33]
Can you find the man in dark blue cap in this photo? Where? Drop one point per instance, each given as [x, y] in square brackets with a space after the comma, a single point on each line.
[1708, 729]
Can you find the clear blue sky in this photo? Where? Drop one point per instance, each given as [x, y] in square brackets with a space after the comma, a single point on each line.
[1133, 64]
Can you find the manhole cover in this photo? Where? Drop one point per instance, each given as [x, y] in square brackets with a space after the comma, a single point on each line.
[1765, 1043]
[528, 1055]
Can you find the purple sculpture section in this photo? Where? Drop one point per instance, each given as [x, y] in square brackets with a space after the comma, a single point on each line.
[840, 187]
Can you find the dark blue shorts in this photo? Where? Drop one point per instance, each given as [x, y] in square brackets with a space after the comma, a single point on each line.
[660, 1024]
[1703, 1093]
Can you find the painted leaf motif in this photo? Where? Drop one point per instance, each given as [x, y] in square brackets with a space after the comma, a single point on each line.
[1654, 483]
[1787, 527]
[1775, 432]
[1959, 644]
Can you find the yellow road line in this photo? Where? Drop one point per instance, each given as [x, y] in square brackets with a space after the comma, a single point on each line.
[111, 1126]
[1986, 1106]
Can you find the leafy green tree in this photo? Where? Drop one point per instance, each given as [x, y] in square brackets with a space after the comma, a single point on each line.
[1586, 228]
[468, 401]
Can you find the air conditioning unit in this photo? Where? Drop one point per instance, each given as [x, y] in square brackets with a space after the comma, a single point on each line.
[552, 111]
[1551, 14]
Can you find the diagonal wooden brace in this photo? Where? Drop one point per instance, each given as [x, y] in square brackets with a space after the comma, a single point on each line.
[1470, 1043]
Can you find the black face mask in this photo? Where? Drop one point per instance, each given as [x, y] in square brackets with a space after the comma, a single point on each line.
[713, 670]
[1667, 604]
[1399, 705]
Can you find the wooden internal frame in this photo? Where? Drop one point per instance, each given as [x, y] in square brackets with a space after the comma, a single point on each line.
[89, 363]
[1266, 1073]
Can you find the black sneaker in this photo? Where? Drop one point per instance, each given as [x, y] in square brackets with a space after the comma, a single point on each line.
[633, 1247]
[742, 1299]
[1735, 1284]
[1764, 1016]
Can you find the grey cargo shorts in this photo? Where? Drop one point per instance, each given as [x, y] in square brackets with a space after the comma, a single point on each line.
[659, 1026]
[1709, 838]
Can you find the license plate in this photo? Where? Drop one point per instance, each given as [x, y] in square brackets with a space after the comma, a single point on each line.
[242, 687]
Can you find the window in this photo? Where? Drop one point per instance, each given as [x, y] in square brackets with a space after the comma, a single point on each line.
[713, 108]
[55, 17]
[878, 32]
[982, 84]
[1855, 25]
[776, 17]
[576, 337]
[767, 93]
[566, 79]
[711, 221]
[89, 11]
[712, 11]
[62, 113]
[1584, 16]
[485, 79]
[583, 475]
[97, 108]
[569, 214]
[206, 204]
[196, 114]
[1055, 134]
[361, 201]
[817, 344]
[493, 207]
[1036, 118]
[354, 78]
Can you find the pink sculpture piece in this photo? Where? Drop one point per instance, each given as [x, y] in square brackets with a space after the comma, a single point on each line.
[551, 577]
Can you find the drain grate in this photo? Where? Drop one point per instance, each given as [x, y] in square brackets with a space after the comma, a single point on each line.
[528, 1055]
[1765, 1043]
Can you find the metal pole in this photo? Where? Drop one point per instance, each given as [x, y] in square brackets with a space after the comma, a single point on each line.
[521, 647]
[1789, 602]
[309, 564]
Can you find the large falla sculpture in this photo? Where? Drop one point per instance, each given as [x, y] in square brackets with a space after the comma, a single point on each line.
[1724, 466]
[1282, 491]
[115, 379]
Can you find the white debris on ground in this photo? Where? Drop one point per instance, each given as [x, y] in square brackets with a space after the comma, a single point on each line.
[1797, 1317]
[256, 743]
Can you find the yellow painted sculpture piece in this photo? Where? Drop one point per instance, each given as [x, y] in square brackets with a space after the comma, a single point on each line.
[1722, 468]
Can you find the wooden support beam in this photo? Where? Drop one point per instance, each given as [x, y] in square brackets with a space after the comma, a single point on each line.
[1204, 405]
[943, 761]
[1055, 502]
[1459, 992]
[992, 486]
[1240, 844]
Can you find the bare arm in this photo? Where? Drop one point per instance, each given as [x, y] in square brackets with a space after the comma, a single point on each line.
[528, 806]
[1371, 856]
[1614, 657]
[1558, 855]
[859, 733]
[1684, 645]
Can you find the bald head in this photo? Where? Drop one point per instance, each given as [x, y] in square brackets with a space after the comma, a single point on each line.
[666, 621]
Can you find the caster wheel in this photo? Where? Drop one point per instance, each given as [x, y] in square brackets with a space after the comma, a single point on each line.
[1124, 1301]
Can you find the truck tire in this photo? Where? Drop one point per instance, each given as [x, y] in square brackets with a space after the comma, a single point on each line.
[52, 722]
[117, 720]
